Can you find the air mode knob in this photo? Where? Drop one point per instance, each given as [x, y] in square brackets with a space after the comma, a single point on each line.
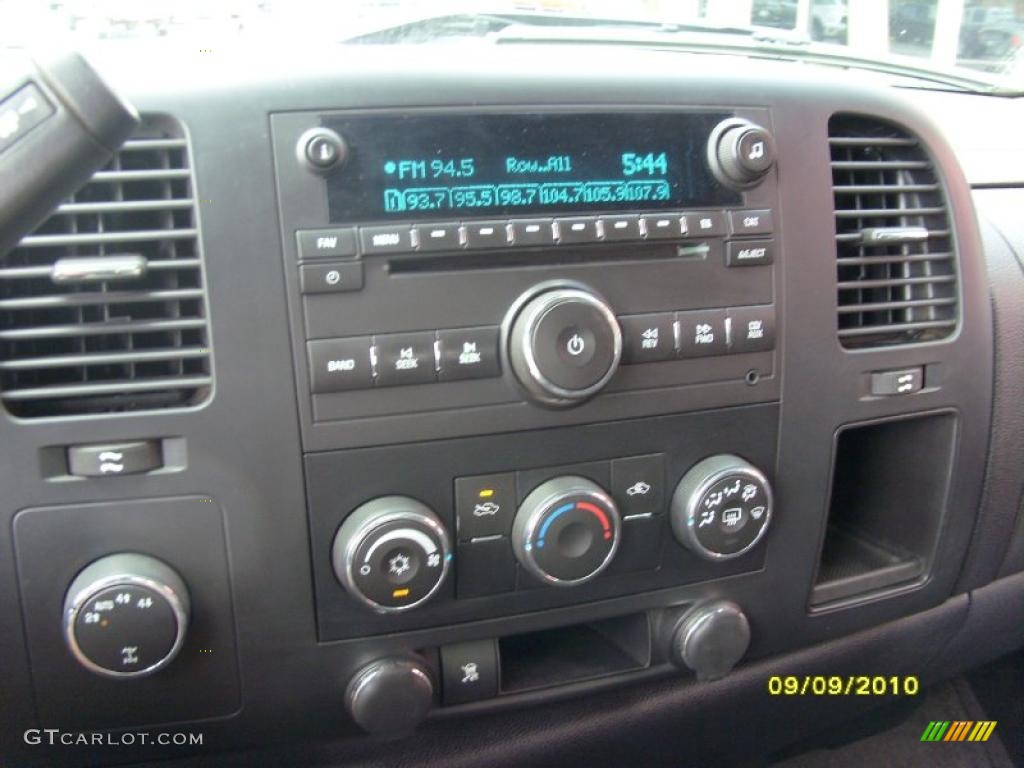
[721, 508]
[564, 344]
[740, 153]
[125, 615]
[391, 553]
[566, 531]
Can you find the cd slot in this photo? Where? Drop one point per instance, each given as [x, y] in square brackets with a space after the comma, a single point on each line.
[506, 259]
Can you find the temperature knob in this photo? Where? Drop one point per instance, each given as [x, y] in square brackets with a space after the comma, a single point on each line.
[566, 531]
[740, 153]
[721, 508]
[392, 553]
[125, 615]
[564, 344]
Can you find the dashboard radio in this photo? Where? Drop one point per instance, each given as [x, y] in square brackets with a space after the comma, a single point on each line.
[528, 267]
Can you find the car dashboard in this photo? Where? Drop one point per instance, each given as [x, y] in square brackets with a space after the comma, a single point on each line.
[510, 408]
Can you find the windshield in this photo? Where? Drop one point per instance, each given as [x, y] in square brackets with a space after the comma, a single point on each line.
[982, 38]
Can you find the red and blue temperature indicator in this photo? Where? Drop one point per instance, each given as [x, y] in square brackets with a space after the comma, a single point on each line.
[585, 506]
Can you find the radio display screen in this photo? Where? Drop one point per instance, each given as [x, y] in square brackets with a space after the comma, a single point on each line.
[478, 165]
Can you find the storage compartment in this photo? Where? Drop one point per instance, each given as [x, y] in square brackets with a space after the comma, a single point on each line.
[573, 654]
[889, 493]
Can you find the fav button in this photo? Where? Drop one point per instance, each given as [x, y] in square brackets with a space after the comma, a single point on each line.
[340, 364]
[405, 358]
[469, 354]
[315, 243]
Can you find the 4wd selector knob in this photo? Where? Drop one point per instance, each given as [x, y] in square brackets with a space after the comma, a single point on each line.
[721, 508]
[391, 553]
[566, 531]
[740, 153]
[125, 615]
[564, 344]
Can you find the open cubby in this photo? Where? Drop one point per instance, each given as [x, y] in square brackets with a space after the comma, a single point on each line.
[574, 654]
[889, 489]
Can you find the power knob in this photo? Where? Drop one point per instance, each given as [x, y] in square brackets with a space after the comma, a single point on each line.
[125, 615]
[740, 153]
[564, 344]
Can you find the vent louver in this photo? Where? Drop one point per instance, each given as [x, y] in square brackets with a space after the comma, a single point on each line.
[75, 338]
[897, 271]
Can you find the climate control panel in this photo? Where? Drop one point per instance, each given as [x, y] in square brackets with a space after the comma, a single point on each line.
[421, 544]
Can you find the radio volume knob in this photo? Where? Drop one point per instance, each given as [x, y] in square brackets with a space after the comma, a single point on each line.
[564, 344]
[740, 153]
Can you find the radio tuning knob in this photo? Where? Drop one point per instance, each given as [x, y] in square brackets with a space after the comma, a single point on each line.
[740, 153]
[564, 344]
[391, 553]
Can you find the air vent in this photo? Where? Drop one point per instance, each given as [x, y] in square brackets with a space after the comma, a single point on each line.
[897, 272]
[102, 308]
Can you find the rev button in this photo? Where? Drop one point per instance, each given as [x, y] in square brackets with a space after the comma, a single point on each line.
[647, 338]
